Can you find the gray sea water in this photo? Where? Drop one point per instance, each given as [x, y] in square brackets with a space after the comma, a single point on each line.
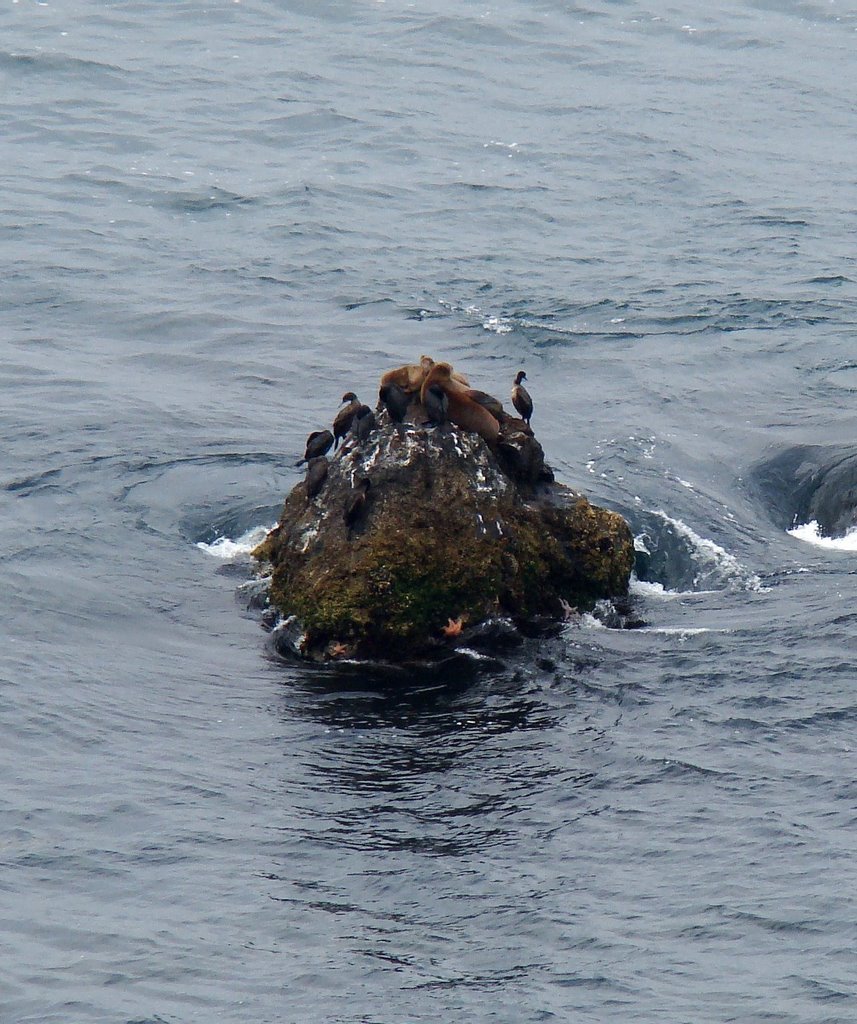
[214, 219]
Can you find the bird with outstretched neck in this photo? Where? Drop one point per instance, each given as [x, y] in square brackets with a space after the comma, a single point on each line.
[343, 419]
[521, 398]
[317, 444]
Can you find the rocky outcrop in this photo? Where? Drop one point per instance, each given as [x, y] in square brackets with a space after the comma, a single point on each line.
[810, 482]
[419, 534]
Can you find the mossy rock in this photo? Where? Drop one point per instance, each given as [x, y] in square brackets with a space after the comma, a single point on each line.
[445, 534]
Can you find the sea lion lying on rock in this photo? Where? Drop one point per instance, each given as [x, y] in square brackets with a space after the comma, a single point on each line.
[462, 409]
[411, 377]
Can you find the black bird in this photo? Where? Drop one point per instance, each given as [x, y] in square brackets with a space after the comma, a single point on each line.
[436, 404]
[363, 423]
[316, 474]
[344, 417]
[521, 398]
[396, 401]
[356, 504]
[318, 443]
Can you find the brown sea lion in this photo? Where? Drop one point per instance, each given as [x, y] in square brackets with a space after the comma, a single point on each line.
[409, 377]
[492, 404]
[441, 373]
[427, 363]
[462, 411]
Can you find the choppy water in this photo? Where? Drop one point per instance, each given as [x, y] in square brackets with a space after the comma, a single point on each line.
[215, 219]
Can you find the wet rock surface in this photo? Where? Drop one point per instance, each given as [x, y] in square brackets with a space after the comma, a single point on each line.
[810, 482]
[423, 538]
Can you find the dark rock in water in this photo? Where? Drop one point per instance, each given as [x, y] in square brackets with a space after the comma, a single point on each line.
[456, 533]
[810, 482]
[619, 614]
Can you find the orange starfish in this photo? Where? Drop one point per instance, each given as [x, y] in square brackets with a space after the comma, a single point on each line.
[337, 650]
[453, 627]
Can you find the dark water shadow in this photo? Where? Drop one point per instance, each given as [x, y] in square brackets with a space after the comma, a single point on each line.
[441, 767]
[458, 694]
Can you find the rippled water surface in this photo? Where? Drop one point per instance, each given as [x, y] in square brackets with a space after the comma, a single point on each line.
[213, 221]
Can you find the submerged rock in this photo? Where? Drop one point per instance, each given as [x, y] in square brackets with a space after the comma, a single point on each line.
[420, 536]
[810, 482]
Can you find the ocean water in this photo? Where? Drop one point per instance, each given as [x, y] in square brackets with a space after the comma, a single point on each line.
[216, 219]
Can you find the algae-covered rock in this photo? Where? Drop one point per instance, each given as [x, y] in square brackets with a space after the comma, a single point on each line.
[448, 532]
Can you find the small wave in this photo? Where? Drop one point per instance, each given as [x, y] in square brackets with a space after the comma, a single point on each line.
[212, 197]
[52, 63]
[682, 632]
[834, 279]
[497, 324]
[716, 561]
[225, 547]
[811, 533]
[589, 621]
[645, 588]
[672, 554]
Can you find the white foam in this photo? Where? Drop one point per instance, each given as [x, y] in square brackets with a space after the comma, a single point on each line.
[810, 533]
[475, 655]
[680, 631]
[714, 558]
[497, 324]
[642, 588]
[588, 621]
[226, 548]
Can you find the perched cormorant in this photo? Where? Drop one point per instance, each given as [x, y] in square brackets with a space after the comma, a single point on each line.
[318, 443]
[356, 504]
[521, 398]
[436, 404]
[316, 474]
[345, 416]
[396, 401]
[363, 423]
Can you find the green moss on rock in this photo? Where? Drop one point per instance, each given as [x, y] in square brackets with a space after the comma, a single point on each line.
[446, 535]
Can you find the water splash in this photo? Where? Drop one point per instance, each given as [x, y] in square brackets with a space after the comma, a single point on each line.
[226, 548]
[811, 533]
